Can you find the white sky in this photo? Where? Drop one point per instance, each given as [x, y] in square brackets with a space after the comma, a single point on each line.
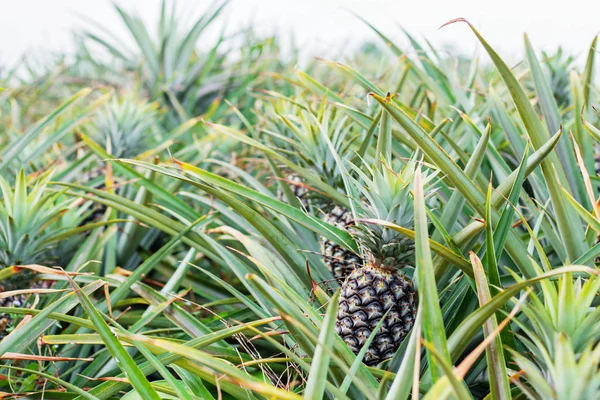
[319, 25]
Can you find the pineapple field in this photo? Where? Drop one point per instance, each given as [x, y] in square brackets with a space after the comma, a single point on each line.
[229, 221]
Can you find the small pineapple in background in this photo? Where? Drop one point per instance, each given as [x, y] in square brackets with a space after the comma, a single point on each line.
[126, 128]
[378, 287]
[311, 139]
[30, 220]
[320, 140]
[340, 261]
[299, 189]
[6, 320]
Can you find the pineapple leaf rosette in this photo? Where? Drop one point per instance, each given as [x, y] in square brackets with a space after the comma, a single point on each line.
[387, 197]
[315, 141]
[126, 127]
[31, 218]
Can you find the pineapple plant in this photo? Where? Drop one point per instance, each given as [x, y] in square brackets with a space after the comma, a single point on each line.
[321, 140]
[126, 128]
[339, 260]
[378, 289]
[228, 308]
[559, 67]
[30, 220]
[174, 70]
[559, 357]
[563, 375]
[312, 141]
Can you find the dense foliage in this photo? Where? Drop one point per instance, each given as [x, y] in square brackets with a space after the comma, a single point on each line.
[193, 220]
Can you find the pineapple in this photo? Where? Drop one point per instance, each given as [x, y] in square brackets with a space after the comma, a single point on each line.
[340, 261]
[6, 320]
[367, 295]
[318, 138]
[30, 221]
[378, 287]
[311, 139]
[298, 188]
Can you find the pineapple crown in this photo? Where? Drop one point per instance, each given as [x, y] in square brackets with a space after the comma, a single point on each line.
[125, 127]
[316, 139]
[387, 196]
[543, 371]
[30, 220]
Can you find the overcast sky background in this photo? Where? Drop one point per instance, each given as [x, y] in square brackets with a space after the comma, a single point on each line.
[38, 26]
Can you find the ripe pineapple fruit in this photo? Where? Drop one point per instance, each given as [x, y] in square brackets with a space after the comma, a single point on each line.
[340, 261]
[378, 287]
[367, 295]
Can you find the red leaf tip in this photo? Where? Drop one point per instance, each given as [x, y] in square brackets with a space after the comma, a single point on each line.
[452, 21]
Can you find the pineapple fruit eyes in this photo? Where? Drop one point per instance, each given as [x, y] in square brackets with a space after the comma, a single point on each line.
[368, 295]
